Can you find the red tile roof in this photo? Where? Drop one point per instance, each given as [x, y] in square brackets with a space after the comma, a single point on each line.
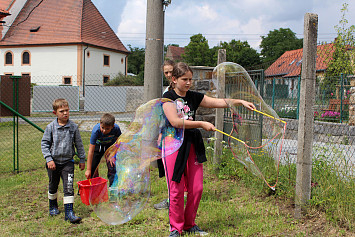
[174, 53]
[4, 4]
[289, 64]
[61, 22]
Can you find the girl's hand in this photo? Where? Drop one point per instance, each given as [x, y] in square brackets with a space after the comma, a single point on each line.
[208, 126]
[248, 105]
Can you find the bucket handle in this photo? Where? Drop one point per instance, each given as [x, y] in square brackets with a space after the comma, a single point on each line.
[79, 187]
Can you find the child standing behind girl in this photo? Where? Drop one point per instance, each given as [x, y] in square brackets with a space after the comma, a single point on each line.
[189, 158]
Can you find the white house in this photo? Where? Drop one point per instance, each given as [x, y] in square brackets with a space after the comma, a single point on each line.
[59, 42]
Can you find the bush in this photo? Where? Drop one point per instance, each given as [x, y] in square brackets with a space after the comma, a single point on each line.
[122, 80]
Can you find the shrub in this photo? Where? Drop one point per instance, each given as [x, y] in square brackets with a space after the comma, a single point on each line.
[122, 80]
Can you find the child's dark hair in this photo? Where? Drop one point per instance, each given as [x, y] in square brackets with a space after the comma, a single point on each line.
[59, 103]
[179, 70]
[107, 119]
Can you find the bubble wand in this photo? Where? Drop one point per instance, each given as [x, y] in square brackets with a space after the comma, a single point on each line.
[244, 143]
[257, 112]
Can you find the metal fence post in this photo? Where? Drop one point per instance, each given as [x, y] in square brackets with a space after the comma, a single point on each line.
[15, 105]
[273, 93]
[341, 96]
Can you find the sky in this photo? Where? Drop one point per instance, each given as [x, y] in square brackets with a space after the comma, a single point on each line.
[223, 20]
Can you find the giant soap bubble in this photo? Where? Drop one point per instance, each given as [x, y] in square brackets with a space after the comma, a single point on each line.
[254, 137]
[132, 154]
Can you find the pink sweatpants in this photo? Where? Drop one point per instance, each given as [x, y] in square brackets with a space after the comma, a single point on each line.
[184, 218]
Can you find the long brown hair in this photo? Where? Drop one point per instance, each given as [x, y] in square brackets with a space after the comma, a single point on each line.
[179, 70]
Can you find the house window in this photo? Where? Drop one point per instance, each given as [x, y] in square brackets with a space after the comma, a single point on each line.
[25, 74]
[8, 73]
[106, 60]
[122, 60]
[8, 58]
[25, 58]
[106, 79]
[67, 80]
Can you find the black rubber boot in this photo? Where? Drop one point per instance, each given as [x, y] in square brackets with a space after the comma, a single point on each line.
[53, 207]
[70, 215]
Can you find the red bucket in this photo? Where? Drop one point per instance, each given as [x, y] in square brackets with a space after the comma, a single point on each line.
[93, 191]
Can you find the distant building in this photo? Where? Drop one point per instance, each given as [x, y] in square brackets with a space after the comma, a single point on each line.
[65, 42]
[175, 53]
[287, 69]
[290, 63]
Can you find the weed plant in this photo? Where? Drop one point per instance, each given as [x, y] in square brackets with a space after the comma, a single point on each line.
[333, 179]
[332, 187]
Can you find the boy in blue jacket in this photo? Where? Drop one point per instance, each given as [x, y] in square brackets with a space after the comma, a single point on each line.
[103, 135]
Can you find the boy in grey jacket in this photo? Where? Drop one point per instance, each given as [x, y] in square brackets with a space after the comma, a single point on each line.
[59, 141]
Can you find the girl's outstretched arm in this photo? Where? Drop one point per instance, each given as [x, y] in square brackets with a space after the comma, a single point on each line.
[171, 114]
[209, 102]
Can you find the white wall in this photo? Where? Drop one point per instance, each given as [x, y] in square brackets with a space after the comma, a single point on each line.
[49, 64]
[94, 65]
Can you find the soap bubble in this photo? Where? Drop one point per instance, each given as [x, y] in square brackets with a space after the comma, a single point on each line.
[254, 137]
[132, 154]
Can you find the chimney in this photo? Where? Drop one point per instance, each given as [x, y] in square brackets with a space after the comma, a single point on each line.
[9, 15]
[3, 14]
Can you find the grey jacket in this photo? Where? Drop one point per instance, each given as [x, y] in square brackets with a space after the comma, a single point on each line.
[59, 142]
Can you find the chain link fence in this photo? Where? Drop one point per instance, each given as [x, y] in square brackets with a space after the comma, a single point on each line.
[22, 122]
[20, 146]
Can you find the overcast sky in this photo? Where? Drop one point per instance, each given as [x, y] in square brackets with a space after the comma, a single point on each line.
[223, 20]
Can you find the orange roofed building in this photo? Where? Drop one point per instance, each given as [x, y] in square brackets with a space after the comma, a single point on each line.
[175, 53]
[287, 69]
[59, 42]
[289, 64]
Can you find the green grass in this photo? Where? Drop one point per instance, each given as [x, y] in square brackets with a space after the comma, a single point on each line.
[228, 208]
[234, 201]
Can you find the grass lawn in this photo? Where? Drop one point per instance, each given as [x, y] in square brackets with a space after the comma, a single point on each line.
[227, 208]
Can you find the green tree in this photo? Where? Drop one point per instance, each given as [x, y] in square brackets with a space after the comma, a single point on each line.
[343, 56]
[238, 52]
[136, 60]
[278, 42]
[197, 52]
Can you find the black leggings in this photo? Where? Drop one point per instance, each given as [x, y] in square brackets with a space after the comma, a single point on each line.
[64, 171]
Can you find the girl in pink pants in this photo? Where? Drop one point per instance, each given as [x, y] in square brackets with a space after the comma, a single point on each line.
[185, 165]
[180, 218]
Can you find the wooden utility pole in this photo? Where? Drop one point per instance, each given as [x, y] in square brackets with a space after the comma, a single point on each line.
[154, 48]
[305, 122]
[219, 112]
